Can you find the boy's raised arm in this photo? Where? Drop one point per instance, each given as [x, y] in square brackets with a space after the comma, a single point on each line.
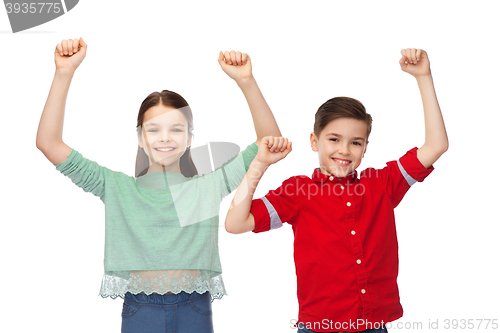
[271, 150]
[416, 63]
[238, 66]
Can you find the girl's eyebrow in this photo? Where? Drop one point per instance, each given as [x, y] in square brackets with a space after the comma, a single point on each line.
[155, 124]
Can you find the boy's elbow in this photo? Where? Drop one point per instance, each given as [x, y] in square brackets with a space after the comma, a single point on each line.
[443, 148]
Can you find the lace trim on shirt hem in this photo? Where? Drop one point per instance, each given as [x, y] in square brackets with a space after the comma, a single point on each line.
[212, 296]
[115, 286]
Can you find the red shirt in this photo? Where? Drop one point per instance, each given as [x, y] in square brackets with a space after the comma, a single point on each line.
[345, 247]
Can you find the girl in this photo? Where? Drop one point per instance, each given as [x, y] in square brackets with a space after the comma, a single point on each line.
[161, 251]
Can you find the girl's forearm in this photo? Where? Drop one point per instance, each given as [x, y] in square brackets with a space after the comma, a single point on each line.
[52, 119]
[436, 139]
[263, 118]
[238, 218]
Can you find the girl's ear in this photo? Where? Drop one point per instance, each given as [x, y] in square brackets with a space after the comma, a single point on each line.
[139, 139]
[314, 142]
[190, 140]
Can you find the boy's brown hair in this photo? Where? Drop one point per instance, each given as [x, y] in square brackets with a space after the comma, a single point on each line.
[341, 107]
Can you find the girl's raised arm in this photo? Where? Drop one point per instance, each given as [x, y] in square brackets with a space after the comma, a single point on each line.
[238, 66]
[69, 54]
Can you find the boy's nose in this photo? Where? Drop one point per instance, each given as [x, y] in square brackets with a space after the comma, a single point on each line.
[344, 150]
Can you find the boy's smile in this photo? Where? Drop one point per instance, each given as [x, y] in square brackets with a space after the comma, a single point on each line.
[341, 146]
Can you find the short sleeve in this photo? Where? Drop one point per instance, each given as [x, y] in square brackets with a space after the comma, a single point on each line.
[85, 173]
[400, 175]
[277, 206]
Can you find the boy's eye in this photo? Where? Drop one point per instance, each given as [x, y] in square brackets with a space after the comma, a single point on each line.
[334, 139]
[356, 143]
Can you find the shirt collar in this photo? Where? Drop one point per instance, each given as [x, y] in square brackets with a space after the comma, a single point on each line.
[320, 177]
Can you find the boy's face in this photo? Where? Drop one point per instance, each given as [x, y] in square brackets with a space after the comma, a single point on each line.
[341, 146]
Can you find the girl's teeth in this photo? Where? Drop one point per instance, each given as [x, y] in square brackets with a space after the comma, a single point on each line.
[164, 150]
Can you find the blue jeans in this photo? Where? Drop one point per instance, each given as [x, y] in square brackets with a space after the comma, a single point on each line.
[304, 329]
[169, 313]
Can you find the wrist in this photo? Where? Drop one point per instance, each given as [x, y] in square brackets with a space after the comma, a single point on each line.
[64, 72]
[424, 79]
[258, 166]
[245, 82]
[424, 76]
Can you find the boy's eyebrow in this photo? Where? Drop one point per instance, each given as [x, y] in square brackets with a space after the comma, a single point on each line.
[356, 138]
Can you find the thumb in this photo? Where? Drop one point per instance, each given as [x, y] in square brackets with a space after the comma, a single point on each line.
[288, 148]
[83, 46]
[221, 59]
[402, 62]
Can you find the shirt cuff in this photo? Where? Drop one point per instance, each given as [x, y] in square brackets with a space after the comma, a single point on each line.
[260, 215]
[412, 169]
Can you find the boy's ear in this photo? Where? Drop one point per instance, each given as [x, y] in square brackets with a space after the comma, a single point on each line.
[366, 146]
[314, 142]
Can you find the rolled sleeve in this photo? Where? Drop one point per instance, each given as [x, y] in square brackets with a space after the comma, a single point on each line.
[412, 169]
[400, 175]
[276, 207]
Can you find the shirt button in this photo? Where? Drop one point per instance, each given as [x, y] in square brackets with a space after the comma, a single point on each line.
[348, 204]
[331, 178]
[353, 232]
[358, 261]
[363, 291]
[341, 187]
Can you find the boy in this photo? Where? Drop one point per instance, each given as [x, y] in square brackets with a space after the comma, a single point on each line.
[345, 246]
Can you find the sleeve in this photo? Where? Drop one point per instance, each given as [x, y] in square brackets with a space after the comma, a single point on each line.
[400, 175]
[232, 172]
[85, 173]
[206, 192]
[276, 207]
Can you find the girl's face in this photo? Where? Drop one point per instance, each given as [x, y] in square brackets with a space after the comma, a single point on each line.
[164, 137]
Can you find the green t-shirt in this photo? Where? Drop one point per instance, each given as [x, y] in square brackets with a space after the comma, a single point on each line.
[161, 228]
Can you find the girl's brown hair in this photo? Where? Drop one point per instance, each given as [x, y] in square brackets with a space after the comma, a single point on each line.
[169, 99]
[341, 107]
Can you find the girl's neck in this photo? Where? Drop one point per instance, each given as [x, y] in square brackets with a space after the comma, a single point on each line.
[155, 167]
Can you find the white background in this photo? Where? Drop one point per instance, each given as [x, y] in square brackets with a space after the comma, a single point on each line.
[303, 53]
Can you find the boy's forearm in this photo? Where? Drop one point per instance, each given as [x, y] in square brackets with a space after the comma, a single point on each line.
[436, 139]
[237, 219]
[263, 118]
[52, 119]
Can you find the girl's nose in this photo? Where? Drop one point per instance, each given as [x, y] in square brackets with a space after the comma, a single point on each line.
[164, 137]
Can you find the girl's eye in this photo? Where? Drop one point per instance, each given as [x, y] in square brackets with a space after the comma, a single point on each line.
[176, 130]
[152, 130]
